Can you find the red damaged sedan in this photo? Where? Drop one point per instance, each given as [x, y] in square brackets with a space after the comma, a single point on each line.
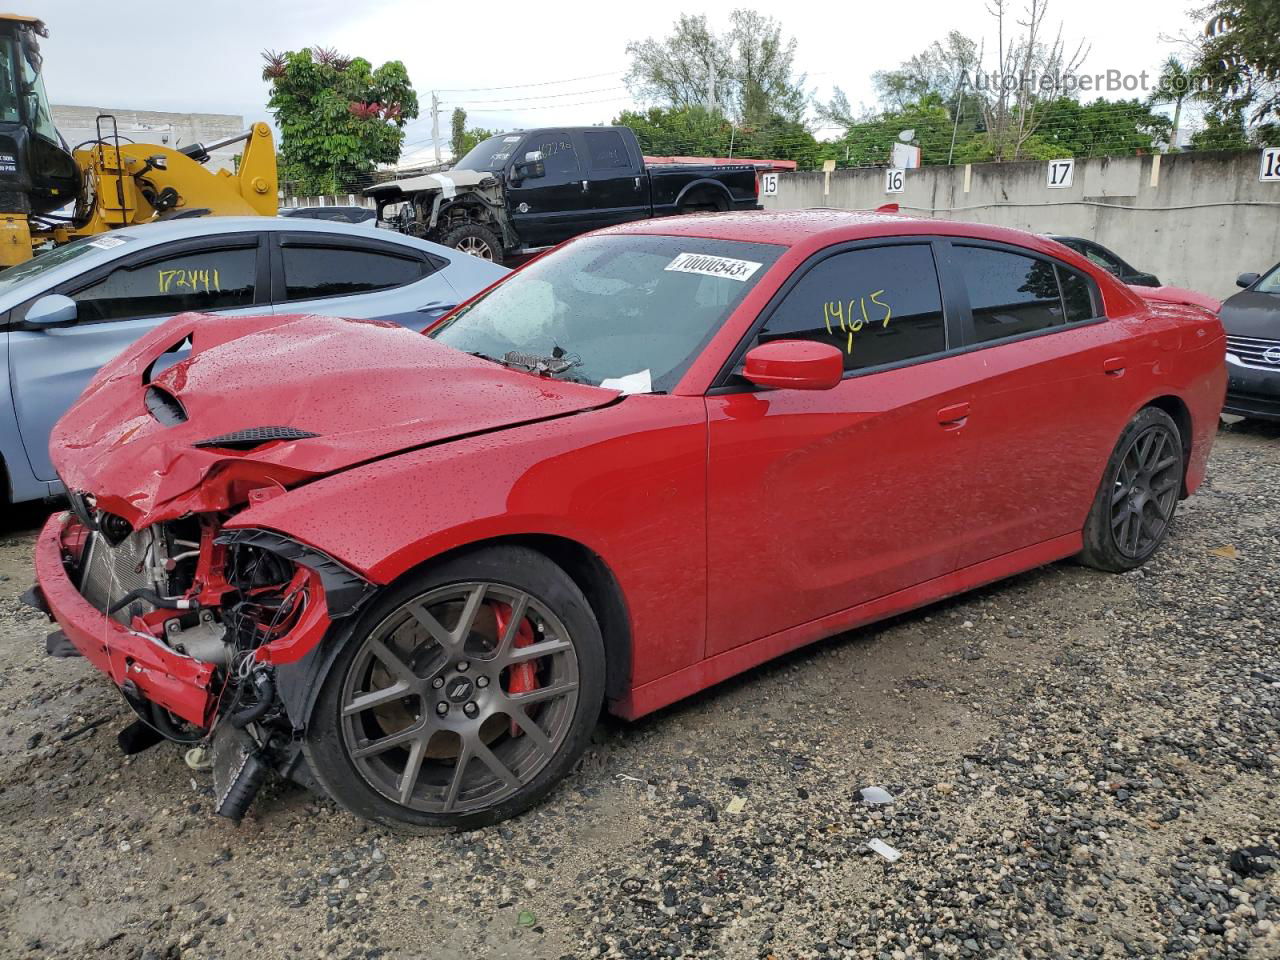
[409, 570]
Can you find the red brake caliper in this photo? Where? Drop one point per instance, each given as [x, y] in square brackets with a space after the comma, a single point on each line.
[521, 677]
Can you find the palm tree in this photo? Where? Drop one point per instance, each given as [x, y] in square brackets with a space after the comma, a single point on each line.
[1173, 86]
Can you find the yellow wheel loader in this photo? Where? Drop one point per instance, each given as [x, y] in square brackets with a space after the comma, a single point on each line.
[51, 193]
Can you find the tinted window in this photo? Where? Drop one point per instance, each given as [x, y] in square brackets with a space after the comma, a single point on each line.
[198, 280]
[559, 157]
[1077, 295]
[1102, 257]
[1009, 294]
[314, 272]
[606, 150]
[878, 306]
[629, 312]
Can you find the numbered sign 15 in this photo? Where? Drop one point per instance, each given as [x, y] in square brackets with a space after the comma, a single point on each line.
[1270, 169]
[1061, 173]
[894, 180]
[768, 184]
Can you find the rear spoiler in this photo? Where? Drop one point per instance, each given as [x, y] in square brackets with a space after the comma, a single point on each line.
[1179, 295]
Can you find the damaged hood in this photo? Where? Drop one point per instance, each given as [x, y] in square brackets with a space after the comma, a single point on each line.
[262, 403]
[448, 183]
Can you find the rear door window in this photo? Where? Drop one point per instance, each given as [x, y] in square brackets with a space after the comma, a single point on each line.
[203, 279]
[880, 305]
[317, 272]
[1009, 294]
[606, 150]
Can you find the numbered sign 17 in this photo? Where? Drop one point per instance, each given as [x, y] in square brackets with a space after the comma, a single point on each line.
[768, 184]
[1270, 169]
[895, 179]
[1061, 173]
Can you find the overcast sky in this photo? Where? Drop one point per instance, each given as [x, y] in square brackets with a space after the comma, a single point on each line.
[206, 57]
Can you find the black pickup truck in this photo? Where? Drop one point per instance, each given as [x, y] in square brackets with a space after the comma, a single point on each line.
[519, 192]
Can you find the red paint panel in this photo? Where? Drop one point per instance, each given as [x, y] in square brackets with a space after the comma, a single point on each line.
[819, 501]
[628, 482]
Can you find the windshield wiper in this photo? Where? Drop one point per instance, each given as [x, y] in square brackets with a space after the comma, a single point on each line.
[559, 362]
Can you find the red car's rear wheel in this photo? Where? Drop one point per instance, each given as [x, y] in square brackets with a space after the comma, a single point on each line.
[1135, 503]
[463, 695]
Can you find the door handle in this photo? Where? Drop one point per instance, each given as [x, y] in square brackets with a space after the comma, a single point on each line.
[953, 416]
[1113, 366]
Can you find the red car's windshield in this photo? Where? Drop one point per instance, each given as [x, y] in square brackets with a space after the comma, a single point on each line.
[628, 311]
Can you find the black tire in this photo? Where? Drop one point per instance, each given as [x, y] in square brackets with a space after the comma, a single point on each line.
[553, 605]
[475, 239]
[1138, 496]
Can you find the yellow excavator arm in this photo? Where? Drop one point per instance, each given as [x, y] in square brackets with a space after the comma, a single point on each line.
[138, 182]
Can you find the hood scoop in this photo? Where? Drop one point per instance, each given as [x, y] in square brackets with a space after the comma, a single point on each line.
[164, 406]
[253, 437]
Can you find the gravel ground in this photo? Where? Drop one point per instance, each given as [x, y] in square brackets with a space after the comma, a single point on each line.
[1073, 758]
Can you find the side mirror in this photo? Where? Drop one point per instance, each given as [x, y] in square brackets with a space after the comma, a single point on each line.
[531, 168]
[52, 310]
[794, 365]
[1142, 280]
[1247, 280]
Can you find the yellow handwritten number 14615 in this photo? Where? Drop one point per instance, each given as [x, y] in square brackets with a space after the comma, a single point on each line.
[849, 322]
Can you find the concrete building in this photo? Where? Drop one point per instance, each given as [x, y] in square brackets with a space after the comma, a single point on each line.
[173, 130]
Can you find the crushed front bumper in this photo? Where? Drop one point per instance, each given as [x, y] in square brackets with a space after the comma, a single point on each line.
[142, 666]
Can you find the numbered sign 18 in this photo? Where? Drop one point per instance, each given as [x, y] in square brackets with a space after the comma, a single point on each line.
[1270, 169]
[1061, 173]
[894, 180]
[768, 184]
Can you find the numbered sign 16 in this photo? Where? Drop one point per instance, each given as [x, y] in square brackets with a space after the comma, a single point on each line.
[894, 180]
[1061, 173]
[1270, 169]
[768, 184]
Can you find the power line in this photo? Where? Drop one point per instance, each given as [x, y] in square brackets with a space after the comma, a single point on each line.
[544, 96]
[522, 86]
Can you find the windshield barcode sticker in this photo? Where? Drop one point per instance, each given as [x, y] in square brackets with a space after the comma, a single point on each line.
[709, 266]
[106, 243]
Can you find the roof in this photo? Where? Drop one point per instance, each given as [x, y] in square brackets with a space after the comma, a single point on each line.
[822, 227]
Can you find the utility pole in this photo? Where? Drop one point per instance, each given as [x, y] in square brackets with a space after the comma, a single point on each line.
[435, 125]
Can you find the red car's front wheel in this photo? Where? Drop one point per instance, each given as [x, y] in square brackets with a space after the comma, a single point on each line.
[463, 695]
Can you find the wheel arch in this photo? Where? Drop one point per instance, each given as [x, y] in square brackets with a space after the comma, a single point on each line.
[588, 570]
[299, 682]
[1178, 410]
[705, 187]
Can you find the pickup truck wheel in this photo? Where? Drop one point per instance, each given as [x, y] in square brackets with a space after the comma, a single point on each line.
[476, 240]
[464, 694]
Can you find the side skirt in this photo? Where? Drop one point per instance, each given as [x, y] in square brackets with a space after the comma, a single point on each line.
[675, 686]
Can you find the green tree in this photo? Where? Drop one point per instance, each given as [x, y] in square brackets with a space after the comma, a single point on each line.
[869, 142]
[673, 131]
[338, 116]
[463, 138]
[945, 68]
[1240, 57]
[750, 68]
[1222, 131]
[1103, 128]
[1175, 86]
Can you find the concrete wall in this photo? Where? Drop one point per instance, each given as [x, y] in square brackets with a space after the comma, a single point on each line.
[1195, 220]
[173, 130]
